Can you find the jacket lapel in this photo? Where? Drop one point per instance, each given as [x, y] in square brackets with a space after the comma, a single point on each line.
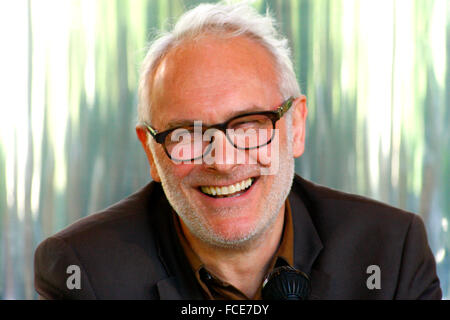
[167, 289]
[180, 283]
[307, 243]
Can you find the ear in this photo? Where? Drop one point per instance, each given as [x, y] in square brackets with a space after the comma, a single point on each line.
[299, 125]
[143, 136]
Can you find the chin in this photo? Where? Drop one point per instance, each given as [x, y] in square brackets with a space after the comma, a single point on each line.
[233, 233]
[230, 241]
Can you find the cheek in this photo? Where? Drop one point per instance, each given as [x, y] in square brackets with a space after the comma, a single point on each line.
[171, 168]
[180, 170]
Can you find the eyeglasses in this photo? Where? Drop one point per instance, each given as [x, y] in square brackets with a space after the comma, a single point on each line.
[245, 132]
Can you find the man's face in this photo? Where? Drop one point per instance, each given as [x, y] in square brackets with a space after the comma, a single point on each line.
[211, 80]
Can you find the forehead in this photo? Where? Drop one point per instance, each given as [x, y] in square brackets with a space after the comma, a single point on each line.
[211, 77]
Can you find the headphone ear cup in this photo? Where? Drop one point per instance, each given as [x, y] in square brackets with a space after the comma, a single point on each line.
[286, 283]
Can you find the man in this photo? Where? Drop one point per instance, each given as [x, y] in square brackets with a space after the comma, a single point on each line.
[218, 89]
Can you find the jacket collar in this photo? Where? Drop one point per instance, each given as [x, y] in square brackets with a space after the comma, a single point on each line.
[181, 282]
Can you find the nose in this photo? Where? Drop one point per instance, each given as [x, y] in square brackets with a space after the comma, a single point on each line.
[222, 155]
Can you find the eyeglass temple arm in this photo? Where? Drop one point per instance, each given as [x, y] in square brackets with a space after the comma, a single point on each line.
[285, 107]
[152, 131]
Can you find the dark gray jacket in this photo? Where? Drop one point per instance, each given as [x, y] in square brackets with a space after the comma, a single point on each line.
[131, 251]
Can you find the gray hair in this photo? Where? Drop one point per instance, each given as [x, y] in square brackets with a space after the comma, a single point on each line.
[222, 19]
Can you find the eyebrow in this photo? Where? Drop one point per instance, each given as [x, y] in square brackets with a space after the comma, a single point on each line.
[189, 123]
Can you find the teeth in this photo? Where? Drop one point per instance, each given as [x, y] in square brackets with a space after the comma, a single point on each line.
[221, 191]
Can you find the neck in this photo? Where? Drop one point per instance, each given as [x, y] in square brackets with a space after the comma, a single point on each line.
[243, 267]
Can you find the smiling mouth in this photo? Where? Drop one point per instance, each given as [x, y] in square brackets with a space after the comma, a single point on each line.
[233, 190]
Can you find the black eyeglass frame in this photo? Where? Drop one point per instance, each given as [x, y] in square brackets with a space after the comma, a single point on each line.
[273, 115]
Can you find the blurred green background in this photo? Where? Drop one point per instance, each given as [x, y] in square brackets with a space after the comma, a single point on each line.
[375, 73]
